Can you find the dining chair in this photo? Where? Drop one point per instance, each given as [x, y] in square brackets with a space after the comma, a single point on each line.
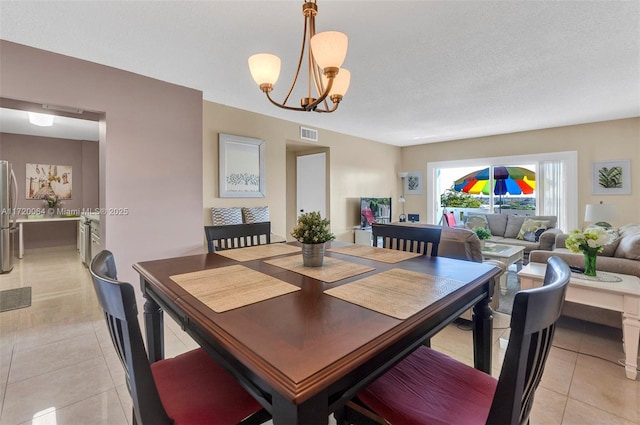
[422, 239]
[429, 387]
[233, 236]
[188, 389]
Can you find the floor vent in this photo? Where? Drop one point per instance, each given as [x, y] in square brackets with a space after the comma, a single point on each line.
[309, 134]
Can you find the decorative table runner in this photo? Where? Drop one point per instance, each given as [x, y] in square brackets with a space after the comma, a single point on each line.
[331, 270]
[259, 251]
[384, 255]
[397, 293]
[226, 288]
[600, 277]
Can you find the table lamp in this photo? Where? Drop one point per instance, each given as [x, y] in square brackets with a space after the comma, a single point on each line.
[600, 213]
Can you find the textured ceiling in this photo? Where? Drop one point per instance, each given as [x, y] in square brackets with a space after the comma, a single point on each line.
[422, 71]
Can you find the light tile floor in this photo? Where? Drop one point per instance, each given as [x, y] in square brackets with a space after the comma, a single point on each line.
[57, 364]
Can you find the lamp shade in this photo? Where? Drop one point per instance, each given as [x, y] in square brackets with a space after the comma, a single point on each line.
[600, 213]
[265, 68]
[329, 48]
[340, 82]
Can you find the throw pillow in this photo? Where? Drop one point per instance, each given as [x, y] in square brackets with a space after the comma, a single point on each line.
[255, 214]
[226, 216]
[532, 229]
[629, 247]
[473, 221]
[514, 224]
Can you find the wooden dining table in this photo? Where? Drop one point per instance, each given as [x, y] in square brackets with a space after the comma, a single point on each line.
[307, 348]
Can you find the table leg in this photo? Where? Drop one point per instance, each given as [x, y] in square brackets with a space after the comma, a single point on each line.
[20, 242]
[503, 282]
[631, 337]
[154, 328]
[312, 411]
[482, 335]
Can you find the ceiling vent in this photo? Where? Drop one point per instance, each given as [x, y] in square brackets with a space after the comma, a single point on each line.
[309, 134]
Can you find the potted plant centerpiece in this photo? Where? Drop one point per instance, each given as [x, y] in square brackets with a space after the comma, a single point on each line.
[312, 231]
[483, 235]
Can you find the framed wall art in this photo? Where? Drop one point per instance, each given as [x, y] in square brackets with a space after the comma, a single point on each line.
[241, 167]
[46, 180]
[413, 183]
[611, 177]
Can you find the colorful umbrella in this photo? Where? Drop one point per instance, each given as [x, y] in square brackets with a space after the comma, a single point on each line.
[511, 180]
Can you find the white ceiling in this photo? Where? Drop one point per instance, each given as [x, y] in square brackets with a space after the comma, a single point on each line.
[422, 71]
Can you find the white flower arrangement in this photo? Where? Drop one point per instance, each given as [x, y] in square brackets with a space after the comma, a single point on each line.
[590, 241]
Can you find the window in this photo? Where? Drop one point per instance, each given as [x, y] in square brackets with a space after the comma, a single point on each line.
[556, 188]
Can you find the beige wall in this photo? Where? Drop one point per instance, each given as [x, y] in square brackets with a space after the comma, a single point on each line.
[357, 167]
[609, 140]
[150, 148]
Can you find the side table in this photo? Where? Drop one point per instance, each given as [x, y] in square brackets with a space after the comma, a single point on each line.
[622, 296]
[508, 254]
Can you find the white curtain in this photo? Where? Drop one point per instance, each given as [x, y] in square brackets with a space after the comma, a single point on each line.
[552, 188]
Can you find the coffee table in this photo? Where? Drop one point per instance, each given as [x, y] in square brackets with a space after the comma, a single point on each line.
[622, 296]
[508, 254]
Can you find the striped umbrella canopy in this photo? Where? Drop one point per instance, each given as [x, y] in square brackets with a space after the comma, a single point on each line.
[511, 180]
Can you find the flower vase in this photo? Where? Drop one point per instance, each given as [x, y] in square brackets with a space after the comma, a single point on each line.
[590, 263]
[312, 254]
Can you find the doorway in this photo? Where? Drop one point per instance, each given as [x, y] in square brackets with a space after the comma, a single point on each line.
[311, 187]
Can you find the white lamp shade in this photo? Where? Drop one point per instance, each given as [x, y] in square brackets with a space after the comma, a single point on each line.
[329, 48]
[265, 68]
[340, 82]
[42, 120]
[600, 212]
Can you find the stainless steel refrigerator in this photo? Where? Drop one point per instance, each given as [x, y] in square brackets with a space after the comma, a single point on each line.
[8, 205]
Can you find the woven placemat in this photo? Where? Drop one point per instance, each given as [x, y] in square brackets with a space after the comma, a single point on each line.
[331, 270]
[390, 256]
[226, 288]
[397, 293]
[259, 251]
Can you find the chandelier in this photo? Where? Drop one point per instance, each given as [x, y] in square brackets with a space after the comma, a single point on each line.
[325, 54]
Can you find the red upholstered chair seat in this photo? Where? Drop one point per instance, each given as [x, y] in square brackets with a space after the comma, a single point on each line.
[429, 387]
[194, 389]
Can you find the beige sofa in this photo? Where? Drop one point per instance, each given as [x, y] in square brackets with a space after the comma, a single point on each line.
[505, 228]
[463, 244]
[621, 256]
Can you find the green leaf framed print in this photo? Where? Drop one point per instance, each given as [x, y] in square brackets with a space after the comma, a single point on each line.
[611, 177]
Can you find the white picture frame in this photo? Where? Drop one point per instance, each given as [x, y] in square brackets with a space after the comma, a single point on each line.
[611, 177]
[413, 183]
[241, 167]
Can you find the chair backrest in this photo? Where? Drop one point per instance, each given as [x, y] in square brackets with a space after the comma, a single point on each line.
[118, 302]
[533, 319]
[422, 239]
[449, 219]
[237, 235]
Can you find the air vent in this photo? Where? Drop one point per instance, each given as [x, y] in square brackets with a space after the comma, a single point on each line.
[309, 134]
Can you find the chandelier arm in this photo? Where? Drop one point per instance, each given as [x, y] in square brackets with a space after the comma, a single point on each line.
[295, 79]
[284, 106]
[322, 97]
[335, 106]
